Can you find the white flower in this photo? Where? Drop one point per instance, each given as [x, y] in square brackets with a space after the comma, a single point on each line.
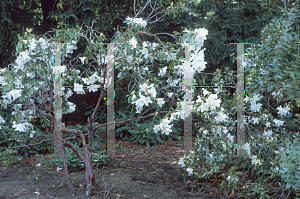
[22, 127]
[181, 163]
[221, 117]
[189, 170]
[218, 90]
[256, 97]
[43, 43]
[296, 134]
[78, 88]
[32, 133]
[156, 128]
[19, 84]
[283, 111]
[278, 122]
[143, 23]
[205, 92]
[1, 120]
[58, 169]
[72, 107]
[210, 157]
[143, 87]
[152, 91]
[160, 101]
[131, 20]
[69, 93]
[255, 120]
[82, 59]
[201, 34]
[255, 107]
[15, 93]
[32, 44]
[147, 100]
[154, 45]
[230, 137]
[169, 94]
[93, 88]
[133, 42]
[255, 161]
[268, 134]
[276, 152]
[205, 132]
[59, 68]
[247, 148]
[21, 60]
[246, 99]
[162, 71]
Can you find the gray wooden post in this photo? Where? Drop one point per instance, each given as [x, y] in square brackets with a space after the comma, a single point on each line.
[110, 101]
[240, 100]
[57, 102]
[188, 76]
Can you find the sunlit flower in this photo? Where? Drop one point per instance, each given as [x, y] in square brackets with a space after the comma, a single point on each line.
[278, 122]
[58, 169]
[255, 107]
[78, 88]
[32, 133]
[160, 101]
[133, 42]
[82, 59]
[255, 161]
[247, 148]
[205, 92]
[162, 71]
[189, 170]
[93, 88]
[283, 111]
[181, 163]
[255, 120]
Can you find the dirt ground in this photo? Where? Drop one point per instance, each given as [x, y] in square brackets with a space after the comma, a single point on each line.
[134, 173]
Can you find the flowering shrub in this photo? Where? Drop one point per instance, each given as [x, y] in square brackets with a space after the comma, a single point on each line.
[265, 126]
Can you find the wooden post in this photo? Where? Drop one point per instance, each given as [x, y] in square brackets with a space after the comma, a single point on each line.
[240, 100]
[110, 101]
[188, 76]
[57, 102]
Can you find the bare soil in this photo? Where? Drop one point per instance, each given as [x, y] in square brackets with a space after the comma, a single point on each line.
[135, 172]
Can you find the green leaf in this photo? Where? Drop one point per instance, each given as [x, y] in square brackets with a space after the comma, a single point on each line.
[166, 115]
[119, 75]
[132, 110]
[30, 92]
[158, 138]
[22, 98]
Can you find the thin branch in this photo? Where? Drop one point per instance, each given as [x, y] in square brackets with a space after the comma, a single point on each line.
[66, 167]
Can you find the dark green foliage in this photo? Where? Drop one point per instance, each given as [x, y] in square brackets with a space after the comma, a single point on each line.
[75, 163]
[16, 16]
[229, 22]
[276, 60]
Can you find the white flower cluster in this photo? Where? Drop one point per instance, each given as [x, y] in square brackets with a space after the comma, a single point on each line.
[138, 21]
[144, 100]
[72, 108]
